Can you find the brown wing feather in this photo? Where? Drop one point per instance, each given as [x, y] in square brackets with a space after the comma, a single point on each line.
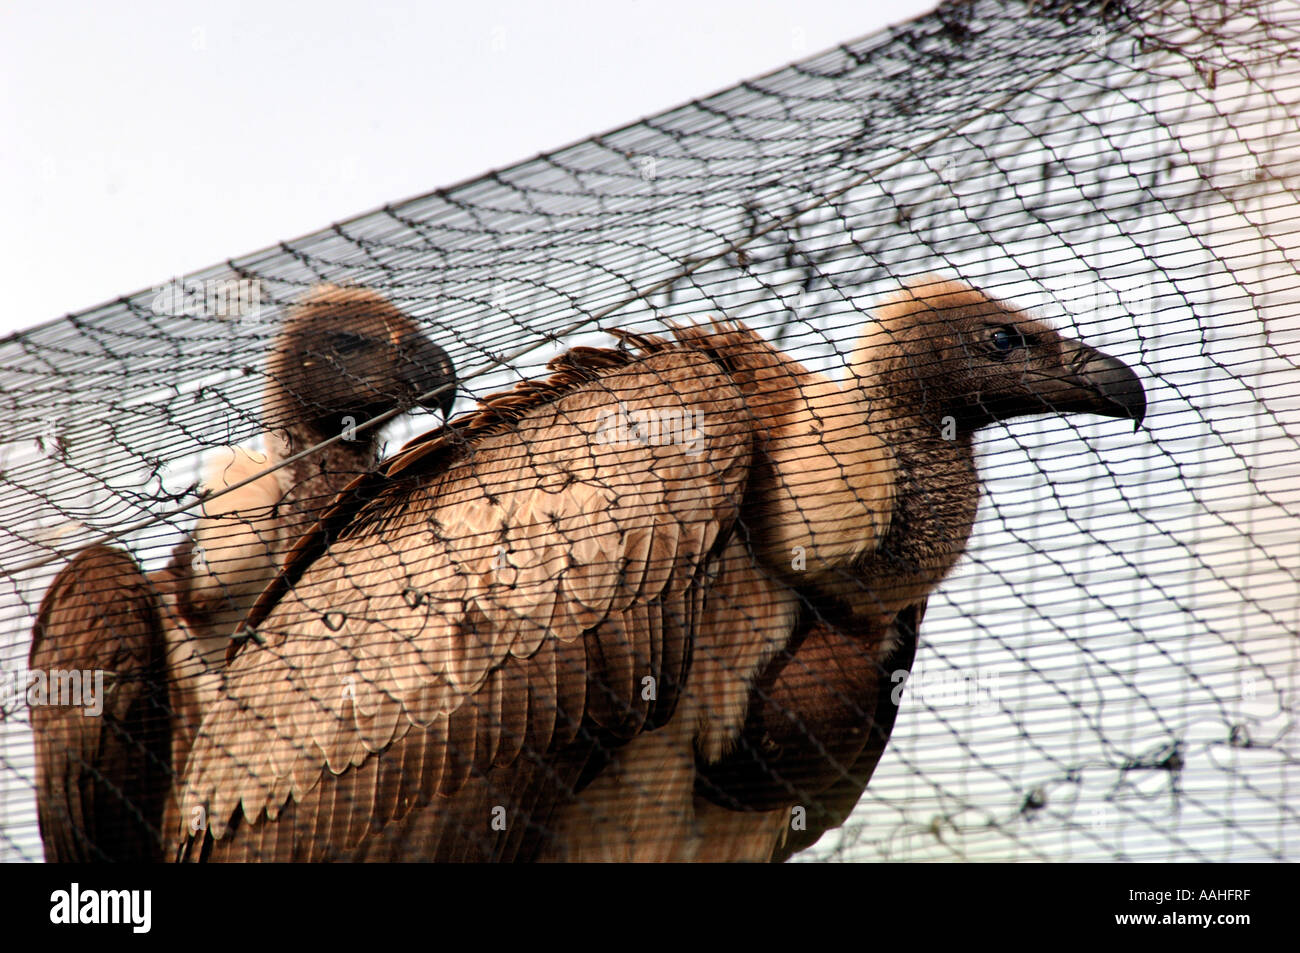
[820, 717]
[101, 782]
[512, 544]
[833, 805]
[812, 707]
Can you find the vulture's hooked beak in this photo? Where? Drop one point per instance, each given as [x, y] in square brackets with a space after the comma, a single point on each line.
[1097, 383]
[425, 367]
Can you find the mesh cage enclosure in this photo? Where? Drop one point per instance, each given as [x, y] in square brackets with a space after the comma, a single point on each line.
[1111, 670]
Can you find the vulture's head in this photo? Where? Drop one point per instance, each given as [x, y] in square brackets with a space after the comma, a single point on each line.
[348, 352]
[947, 349]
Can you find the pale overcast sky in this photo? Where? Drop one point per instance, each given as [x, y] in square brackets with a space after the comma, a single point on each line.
[151, 139]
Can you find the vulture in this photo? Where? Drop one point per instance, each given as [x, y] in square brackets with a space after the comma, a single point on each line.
[569, 625]
[944, 360]
[344, 356]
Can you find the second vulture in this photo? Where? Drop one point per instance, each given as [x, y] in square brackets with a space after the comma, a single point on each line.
[344, 356]
[578, 623]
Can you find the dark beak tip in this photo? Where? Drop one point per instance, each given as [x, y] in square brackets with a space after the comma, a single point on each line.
[429, 369]
[1119, 388]
[1128, 406]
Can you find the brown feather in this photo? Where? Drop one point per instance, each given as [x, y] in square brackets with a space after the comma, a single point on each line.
[101, 781]
[470, 760]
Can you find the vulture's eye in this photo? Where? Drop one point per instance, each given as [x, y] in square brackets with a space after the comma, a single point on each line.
[1004, 340]
[345, 342]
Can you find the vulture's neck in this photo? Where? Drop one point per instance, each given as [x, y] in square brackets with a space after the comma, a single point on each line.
[312, 482]
[937, 491]
[199, 634]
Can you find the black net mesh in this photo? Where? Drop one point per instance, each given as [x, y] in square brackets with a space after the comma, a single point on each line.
[1111, 670]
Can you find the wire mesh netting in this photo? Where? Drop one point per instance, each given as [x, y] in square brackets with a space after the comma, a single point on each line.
[1110, 671]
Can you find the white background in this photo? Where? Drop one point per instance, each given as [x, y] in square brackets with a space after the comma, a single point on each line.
[146, 140]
